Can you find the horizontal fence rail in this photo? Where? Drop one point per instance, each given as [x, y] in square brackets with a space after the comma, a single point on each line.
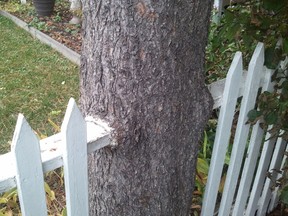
[24, 165]
[246, 189]
[98, 136]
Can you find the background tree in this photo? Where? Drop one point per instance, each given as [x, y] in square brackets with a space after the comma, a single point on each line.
[142, 70]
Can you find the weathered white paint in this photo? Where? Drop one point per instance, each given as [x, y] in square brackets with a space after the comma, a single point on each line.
[239, 196]
[75, 161]
[29, 177]
[260, 176]
[251, 158]
[22, 167]
[274, 165]
[51, 153]
[256, 66]
[218, 4]
[222, 134]
[217, 88]
[275, 194]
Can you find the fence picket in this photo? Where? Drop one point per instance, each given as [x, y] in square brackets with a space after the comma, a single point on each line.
[74, 134]
[222, 134]
[255, 68]
[274, 165]
[252, 156]
[274, 198]
[260, 176]
[29, 177]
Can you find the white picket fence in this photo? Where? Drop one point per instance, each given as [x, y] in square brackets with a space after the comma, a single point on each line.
[24, 165]
[250, 194]
[29, 158]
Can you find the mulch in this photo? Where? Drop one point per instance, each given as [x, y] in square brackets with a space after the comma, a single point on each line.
[56, 26]
[279, 211]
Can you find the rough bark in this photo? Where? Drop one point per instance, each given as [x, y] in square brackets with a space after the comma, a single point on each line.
[142, 70]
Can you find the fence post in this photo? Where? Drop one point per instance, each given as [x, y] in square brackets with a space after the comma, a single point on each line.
[29, 173]
[74, 134]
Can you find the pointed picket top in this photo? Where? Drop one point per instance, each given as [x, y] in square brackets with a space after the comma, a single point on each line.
[256, 66]
[258, 56]
[71, 111]
[29, 177]
[231, 90]
[74, 138]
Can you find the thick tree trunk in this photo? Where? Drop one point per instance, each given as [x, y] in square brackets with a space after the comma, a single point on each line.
[142, 70]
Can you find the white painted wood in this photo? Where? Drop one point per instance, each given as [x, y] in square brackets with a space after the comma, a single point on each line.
[222, 134]
[98, 128]
[98, 136]
[260, 176]
[262, 171]
[275, 196]
[29, 177]
[74, 7]
[251, 158]
[217, 4]
[217, 88]
[274, 165]
[75, 161]
[7, 172]
[255, 68]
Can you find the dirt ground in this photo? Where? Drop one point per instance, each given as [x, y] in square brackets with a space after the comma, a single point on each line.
[56, 26]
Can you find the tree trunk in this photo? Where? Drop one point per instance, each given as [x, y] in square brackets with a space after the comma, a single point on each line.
[142, 70]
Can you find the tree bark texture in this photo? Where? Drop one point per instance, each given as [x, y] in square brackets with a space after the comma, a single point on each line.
[142, 70]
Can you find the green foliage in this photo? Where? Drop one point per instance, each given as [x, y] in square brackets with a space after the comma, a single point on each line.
[284, 195]
[38, 24]
[272, 107]
[204, 157]
[272, 111]
[9, 203]
[57, 18]
[34, 80]
[241, 28]
[203, 164]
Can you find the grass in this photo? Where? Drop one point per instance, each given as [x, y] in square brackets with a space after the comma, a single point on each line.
[34, 80]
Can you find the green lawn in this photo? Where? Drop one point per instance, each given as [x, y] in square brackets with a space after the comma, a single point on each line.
[34, 80]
